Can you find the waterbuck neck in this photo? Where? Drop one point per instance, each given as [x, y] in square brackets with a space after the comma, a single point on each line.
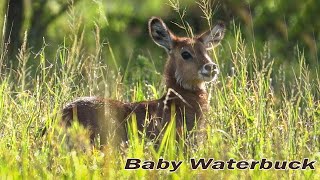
[195, 94]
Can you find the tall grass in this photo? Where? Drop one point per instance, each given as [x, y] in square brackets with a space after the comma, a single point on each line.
[247, 118]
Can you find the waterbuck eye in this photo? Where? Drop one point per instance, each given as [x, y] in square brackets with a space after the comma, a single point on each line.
[186, 55]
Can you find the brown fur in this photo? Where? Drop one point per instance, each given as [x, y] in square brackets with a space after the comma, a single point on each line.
[185, 89]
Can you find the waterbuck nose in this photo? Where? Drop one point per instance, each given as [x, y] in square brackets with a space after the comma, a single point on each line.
[210, 67]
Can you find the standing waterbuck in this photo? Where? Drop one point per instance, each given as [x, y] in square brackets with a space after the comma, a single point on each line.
[187, 70]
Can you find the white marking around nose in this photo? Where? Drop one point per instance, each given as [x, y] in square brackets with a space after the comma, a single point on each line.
[208, 61]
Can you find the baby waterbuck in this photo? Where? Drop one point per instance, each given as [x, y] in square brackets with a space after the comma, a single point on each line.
[187, 69]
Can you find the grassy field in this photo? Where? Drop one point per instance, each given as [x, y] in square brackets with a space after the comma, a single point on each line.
[255, 112]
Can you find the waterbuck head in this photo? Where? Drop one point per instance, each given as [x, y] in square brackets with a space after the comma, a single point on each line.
[189, 64]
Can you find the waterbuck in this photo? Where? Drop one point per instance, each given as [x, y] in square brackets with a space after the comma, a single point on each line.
[187, 69]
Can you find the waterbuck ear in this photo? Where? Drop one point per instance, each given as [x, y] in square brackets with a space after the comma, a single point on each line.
[213, 37]
[160, 34]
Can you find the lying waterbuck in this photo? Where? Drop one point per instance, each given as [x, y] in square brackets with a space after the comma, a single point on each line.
[187, 70]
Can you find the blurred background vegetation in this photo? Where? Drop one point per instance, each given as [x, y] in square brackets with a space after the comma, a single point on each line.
[279, 28]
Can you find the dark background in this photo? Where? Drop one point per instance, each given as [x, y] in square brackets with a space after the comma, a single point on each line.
[281, 27]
